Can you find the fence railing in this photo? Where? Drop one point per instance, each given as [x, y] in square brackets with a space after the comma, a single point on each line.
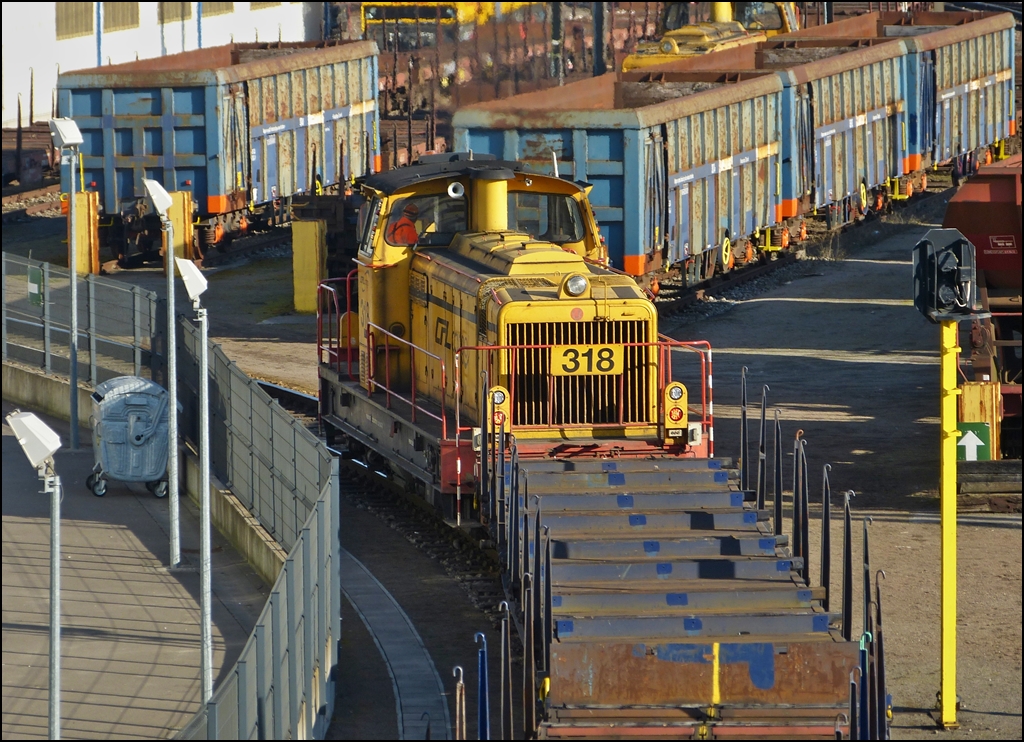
[263, 454]
[282, 685]
[119, 324]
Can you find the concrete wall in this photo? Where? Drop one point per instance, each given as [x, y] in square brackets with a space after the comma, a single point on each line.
[51, 394]
[30, 43]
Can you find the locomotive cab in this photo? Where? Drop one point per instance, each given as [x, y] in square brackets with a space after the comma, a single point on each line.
[485, 305]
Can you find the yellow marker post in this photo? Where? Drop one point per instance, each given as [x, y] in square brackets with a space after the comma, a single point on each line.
[947, 506]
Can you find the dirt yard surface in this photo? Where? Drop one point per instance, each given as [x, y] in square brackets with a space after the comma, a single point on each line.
[849, 361]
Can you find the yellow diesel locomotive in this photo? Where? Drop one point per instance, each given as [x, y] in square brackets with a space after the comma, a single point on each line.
[479, 282]
[483, 356]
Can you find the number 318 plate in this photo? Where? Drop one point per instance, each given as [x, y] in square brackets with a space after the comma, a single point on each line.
[586, 360]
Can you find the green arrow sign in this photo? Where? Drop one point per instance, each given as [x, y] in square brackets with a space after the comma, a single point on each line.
[974, 442]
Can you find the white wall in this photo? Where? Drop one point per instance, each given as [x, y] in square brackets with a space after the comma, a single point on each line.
[30, 43]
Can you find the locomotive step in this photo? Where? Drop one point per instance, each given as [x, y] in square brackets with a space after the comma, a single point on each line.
[672, 548]
[685, 480]
[645, 502]
[568, 574]
[711, 627]
[599, 525]
[698, 600]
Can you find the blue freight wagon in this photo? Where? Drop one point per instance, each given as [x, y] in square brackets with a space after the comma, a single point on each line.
[243, 127]
[673, 180]
[707, 162]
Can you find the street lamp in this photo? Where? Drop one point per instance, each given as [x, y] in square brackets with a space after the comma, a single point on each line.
[195, 285]
[39, 443]
[64, 133]
[162, 202]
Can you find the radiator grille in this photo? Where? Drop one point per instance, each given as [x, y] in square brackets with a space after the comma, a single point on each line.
[540, 399]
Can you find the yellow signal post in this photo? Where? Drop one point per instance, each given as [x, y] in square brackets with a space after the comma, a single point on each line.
[947, 508]
[945, 291]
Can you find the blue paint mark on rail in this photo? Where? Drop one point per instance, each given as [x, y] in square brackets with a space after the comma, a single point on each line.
[676, 599]
[625, 501]
[638, 520]
[616, 478]
[652, 547]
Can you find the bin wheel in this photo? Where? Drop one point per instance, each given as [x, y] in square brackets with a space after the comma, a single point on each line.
[90, 480]
[158, 488]
[99, 486]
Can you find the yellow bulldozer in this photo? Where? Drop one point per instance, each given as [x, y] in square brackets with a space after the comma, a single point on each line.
[731, 25]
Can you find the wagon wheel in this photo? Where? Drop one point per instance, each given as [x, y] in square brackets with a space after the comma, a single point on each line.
[726, 257]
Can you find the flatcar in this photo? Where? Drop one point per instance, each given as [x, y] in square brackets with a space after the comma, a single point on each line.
[482, 356]
[706, 163]
[241, 127]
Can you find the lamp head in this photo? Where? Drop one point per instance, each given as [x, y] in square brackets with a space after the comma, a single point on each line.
[160, 197]
[195, 281]
[65, 133]
[37, 440]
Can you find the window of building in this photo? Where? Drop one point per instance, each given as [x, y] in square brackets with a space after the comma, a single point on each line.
[74, 19]
[171, 12]
[261, 6]
[119, 16]
[218, 8]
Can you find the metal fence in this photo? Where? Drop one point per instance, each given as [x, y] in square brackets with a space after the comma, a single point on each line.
[263, 454]
[119, 325]
[282, 686]
[283, 682]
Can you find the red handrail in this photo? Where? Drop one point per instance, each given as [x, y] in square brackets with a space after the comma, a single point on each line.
[328, 293]
[371, 341]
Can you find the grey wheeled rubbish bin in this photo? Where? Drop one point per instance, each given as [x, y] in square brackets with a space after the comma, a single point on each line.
[129, 434]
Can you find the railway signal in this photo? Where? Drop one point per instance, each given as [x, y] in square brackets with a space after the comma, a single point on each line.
[945, 291]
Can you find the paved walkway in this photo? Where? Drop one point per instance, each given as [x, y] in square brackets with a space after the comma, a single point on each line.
[416, 684]
[130, 626]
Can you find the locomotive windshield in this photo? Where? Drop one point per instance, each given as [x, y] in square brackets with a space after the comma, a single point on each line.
[545, 216]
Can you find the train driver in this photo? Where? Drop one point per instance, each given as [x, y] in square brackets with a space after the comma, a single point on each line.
[402, 230]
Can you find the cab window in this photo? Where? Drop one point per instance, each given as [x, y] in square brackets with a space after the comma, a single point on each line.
[545, 216]
[425, 221]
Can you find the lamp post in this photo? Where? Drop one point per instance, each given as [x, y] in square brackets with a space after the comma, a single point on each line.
[65, 134]
[162, 202]
[195, 285]
[39, 443]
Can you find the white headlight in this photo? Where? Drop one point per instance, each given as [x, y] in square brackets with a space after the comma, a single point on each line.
[576, 285]
[498, 397]
[675, 393]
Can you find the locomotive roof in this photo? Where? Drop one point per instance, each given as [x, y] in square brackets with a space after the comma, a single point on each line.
[449, 165]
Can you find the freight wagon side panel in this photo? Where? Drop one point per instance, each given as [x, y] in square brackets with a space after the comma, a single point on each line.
[308, 124]
[963, 78]
[134, 133]
[665, 190]
[846, 125]
[238, 124]
[723, 168]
